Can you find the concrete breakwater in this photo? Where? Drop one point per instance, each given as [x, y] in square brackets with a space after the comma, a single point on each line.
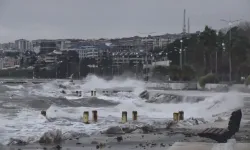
[35, 81]
[173, 86]
[149, 85]
[187, 86]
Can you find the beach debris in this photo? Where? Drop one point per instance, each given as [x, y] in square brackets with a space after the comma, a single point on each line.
[102, 145]
[43, 112]
[62, 86]
[153, 144]
[119, 138]
[17, 142]
[58, 147]
[63, 92]
[147, 128]
[51, 137]
[170, 124]
[94, 142]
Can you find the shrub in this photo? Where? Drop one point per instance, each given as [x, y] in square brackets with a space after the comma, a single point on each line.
[188, 73]
[174, 72]
[209, 78]
[247, 80]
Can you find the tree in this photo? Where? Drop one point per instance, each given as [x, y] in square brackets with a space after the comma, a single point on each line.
[21, 61]
[208, 40]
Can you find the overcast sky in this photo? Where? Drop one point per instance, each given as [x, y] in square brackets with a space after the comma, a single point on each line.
[36, 19]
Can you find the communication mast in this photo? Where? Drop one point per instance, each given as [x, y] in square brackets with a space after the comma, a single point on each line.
[184, 23]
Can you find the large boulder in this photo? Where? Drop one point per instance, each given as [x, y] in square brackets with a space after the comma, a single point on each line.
[144, 95]
[51, 137]
[114, 130]
[165, 98]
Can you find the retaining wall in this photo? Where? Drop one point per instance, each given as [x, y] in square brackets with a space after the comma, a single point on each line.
[187, 86]
[173, 86]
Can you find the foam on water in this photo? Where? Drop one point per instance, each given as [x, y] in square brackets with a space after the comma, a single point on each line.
[29, 123]
[17, 87]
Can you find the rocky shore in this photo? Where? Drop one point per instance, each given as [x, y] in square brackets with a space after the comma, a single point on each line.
[144, 137]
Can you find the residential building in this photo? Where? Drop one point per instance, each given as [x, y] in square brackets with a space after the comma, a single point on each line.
[120, 58]
[8, 46]
[163, 62]
[22, 45]
[50, 58]
[87, 51]
[9, 62]
[149, 43]
[161, 42]
[44, 46]
[63, 44]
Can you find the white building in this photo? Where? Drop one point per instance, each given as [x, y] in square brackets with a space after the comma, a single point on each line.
[50, 58]
[22, 45]
[7, 46]
[86, 51]
[152, 43]
[164, 62]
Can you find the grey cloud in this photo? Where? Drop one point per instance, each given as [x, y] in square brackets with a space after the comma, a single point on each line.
[33, 19]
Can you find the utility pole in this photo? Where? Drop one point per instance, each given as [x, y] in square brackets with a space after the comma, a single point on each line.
[184, 22]
[181, 41]
[79, 64]
[230, 23]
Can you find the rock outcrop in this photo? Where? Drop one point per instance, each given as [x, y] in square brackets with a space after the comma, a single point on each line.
[51, 137]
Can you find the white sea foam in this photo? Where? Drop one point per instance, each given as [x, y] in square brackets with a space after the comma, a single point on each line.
[15, 87]
[29, 123]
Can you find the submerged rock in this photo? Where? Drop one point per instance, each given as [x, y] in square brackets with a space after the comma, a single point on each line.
[17, 142]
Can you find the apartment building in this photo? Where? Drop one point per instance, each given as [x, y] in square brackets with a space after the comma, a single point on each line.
[22, 45]
[44, 46]
[86, 51]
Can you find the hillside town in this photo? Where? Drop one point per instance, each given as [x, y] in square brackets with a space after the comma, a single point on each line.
[122, 51]
[215, 54]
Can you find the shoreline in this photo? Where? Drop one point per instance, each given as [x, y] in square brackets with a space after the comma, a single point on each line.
[160, 139]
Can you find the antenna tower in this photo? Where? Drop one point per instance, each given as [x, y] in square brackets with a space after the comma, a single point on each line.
[184, 22]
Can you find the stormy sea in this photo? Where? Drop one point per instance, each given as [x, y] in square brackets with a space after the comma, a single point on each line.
[21, 106]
